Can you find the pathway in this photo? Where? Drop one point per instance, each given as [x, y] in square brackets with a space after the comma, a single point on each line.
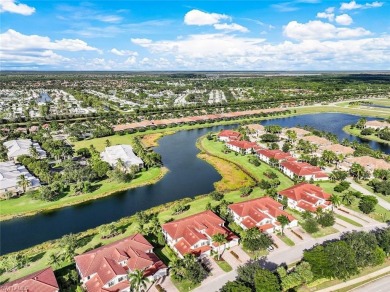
[361, 279]
[288, 256]
[359, 188]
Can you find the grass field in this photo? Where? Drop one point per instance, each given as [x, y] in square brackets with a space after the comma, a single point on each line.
[377, 112]
[224, 265]
[356, 132]
[348, 220]
[286, 240]
[151, 140]
[26, 205]
[324, 231]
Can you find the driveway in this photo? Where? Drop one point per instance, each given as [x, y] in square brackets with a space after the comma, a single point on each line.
[280, 244]
[359, 188]
[355, 216]
[243, 257]
[165, 283]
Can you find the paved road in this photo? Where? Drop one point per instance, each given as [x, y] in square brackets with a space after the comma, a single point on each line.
[359, 188]
[288, 255]
[380, 285]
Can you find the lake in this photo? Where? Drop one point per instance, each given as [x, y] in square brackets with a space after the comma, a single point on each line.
[188, 176]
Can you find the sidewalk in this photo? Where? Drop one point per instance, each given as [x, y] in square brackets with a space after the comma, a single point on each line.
[359, 188]
[356, 281]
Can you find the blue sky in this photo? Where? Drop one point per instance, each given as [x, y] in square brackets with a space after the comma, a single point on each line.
[194, 35]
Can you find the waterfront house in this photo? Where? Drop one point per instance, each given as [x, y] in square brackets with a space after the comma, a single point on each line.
[266, 155]
[302, 170]
[243, 147]
[41, 281]
[193, 234]
[256, 130]
[228, 135]
[10, 175]
[19, 147]
[338, 149]
[300, 132]
[319, 141]
[377, 125]
[124, 152]
[261, 213]
[106, 268]
[369, 163]
[306, 197]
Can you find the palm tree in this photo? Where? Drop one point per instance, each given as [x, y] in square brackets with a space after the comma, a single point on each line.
[137, 280]
[357, 170]
[54, 259]
[221, 240]
[23, 182]
[120, 164]
[108, 143]
[283, 220]
[348, 198]
[335, 200]
[34, 152]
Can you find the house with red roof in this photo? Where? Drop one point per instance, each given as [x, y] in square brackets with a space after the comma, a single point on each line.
[266, 154]
[193, 234]
[261, 213]
[41, 281]
[243, 147]
[302, 170]
[306, 197]
[228, 135]
[105, 269]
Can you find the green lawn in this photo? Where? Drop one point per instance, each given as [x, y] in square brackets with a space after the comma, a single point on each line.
[350, 221]
[215, 148]
[324, 231]
[356, 132]
[379, 112]
[286, 240]
[224, 265]
[25, 205]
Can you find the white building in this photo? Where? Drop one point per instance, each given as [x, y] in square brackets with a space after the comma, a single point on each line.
[21, 147]
[9, 177]
[124, 152]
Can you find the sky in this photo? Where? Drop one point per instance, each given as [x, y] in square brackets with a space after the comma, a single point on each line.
[259, 35]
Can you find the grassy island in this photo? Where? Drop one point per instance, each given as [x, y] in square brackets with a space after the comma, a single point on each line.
[357, 132]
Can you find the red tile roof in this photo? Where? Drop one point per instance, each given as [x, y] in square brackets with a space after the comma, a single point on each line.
[277, 154]
[135, 251]
[259, 209]
[41, 281]
[243, 144]
[303, 168]
[307, 196]
[233, 135]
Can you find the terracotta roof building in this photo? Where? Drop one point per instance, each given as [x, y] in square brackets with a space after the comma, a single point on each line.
[229, 135]
[302, 170]
[243, 147]
[41, 281]
[266, 154]
[338, 149]
[106, 268]
[261, 213]
[377, 125]
[256, 129]
[369, 163]
[300, 132]
[306, 197]
[319, 141]
[193, 234]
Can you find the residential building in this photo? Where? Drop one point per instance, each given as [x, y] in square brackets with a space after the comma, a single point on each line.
[106, 268]
[193, 234]
[267, 154]
[21, 147]
[123, 152]
[10, 175]
[319, 141]
[41, 281]
[229, 135]
[306, 197]
[377, 125]
[243, 147]
[256, 130]
[369, 163]
[261, 213]
[338, 149]
[300, 132]
[302, 170]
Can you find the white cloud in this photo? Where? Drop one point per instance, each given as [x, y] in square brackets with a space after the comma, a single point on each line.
[328, 16]
[131, 60]
[317, 30]
[141, 41]
[13, 7]
[353, 5]
[230, 27]
[13, 40]
[109, 18]
[197, 17]
[123, 52]
[344, 19]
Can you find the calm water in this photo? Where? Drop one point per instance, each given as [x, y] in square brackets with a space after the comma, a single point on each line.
[188, 176]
